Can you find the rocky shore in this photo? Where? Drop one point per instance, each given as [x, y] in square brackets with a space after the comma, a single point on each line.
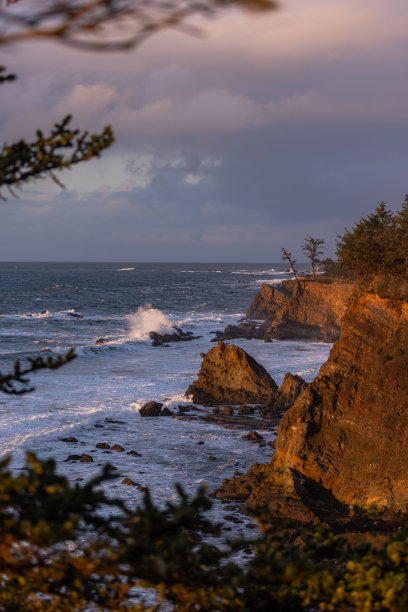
[300, 309]
[340, 447]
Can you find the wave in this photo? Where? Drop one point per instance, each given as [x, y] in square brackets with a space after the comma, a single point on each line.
[148, 319]
[269, 281]
[257, 272]
[45, 314]
[123, 269]
[203, 271]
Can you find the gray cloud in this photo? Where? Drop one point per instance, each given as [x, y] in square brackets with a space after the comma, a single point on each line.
[228, 148]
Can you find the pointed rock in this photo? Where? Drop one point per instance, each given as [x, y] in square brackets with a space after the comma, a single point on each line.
[229, 375]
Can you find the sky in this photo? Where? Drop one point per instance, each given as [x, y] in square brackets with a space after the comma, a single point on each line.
[228, 146]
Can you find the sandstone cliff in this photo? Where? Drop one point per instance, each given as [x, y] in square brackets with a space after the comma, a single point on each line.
[229, 375]
[342, 447]
[303, 309]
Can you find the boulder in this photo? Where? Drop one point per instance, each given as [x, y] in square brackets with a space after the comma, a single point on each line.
[229, 375]
[118, 448]
[86, 458]
[151, 409]
[255, 437]
[166, 412]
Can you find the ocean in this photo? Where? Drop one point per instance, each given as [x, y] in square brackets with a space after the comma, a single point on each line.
[97, 397]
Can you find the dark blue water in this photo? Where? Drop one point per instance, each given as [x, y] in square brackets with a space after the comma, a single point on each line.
[122, 303]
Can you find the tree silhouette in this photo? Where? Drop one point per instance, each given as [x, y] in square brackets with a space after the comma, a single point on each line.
[312, 248]
[287, 256]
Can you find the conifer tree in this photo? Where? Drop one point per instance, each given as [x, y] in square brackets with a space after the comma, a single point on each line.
[287, 256]
[369, 247]
[312, 248]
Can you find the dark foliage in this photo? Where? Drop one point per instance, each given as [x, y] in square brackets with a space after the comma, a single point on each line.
[108, 25]
[17, 383]
[65, 548]
[64, 147]
[376, 245]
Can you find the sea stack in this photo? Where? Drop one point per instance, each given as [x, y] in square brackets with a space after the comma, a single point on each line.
[229, 375]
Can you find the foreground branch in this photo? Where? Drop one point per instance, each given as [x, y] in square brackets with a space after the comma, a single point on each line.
[23, 161]
[17, 383]
[107, 25]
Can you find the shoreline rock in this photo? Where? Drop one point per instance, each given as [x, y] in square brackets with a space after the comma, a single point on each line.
[229, 375]
[301, 309]
[178, 336]
[337, 457]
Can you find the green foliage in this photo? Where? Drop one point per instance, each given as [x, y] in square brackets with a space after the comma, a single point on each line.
[312, 248]
[376, 244]
[65, 548]
[64, 147]
[330, 267]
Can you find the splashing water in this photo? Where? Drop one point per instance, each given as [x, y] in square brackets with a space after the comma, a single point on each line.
[147, 319]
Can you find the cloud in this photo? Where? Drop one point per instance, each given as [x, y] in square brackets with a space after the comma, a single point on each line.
[269, 129]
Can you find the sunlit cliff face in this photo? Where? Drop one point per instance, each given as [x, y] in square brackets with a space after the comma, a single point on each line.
[228, 146]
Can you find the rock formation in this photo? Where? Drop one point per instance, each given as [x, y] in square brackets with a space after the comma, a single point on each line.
[341, 448]
[177, 336]
[151, 409]
[303, 309]
[290, 389]
[229, 375]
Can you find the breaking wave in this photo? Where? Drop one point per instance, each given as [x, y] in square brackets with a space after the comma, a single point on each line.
[147, 319]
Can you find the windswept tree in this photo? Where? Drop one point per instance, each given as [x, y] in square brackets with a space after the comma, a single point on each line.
[288, 257]
[312, 248]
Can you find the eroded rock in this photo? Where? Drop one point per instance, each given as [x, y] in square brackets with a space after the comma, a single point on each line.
[340, 447]
[229, 375]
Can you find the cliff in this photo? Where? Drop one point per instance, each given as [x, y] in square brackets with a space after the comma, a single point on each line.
[303, 309]
[341, 448]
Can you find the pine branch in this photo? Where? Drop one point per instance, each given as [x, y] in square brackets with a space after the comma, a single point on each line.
[17, 383]
[24, 161]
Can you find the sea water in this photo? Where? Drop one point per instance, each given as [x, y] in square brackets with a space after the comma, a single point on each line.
[97, 397]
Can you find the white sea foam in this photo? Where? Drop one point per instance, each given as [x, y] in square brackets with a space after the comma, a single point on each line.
[257, 272]
[124, 269]
[268, 281]
[43, 314]
[147, 319]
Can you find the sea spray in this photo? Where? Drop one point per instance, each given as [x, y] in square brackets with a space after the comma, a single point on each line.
[147, 319]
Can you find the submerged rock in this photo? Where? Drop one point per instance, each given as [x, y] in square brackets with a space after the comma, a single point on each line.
[178, 336]
[242, 330]
[229, 375]
[255, 437]
[151, 409]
